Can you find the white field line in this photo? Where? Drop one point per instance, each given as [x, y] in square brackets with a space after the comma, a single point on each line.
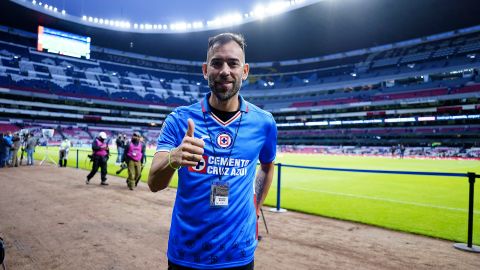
[386, 200]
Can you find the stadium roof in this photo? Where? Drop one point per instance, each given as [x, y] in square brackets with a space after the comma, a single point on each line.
[325, 27]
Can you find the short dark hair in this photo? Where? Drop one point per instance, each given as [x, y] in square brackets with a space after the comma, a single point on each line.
[224, 38]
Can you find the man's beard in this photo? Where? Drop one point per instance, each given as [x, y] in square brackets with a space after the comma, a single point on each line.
[225, 95]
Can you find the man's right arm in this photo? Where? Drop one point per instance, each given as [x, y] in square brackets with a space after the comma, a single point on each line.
[160, 172]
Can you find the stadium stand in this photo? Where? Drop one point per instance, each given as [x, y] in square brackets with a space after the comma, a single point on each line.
[416, 92]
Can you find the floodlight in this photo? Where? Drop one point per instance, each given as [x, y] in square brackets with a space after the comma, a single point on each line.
[84, 17]
[55, 9]
[90, 19]
[259, 12]
[34, 2]
[95, 20]
[63, 12]
[135, 25]
[46, 6]
[197, 25]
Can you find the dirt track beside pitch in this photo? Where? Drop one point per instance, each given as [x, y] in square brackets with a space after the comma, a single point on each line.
[50, 219]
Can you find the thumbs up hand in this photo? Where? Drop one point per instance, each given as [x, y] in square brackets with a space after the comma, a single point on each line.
[190, 151]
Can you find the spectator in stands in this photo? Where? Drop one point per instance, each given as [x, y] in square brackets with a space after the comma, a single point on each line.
[392, 150]
[99, 157]
[133, 157]
[30, 145]
[214, 219]
[63, 153]
[402, 150]
[120, 142]
[16, 145]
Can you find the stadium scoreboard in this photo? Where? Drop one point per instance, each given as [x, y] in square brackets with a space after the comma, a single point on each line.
[63, 43]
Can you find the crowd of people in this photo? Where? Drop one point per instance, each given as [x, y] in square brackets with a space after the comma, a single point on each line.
[14, 146]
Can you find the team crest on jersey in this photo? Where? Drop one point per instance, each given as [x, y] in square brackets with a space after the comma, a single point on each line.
[224, 140]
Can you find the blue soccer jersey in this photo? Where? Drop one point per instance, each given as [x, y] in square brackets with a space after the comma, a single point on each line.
[206, 236]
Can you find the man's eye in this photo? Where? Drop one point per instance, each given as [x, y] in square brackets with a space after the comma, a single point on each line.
[216, 64]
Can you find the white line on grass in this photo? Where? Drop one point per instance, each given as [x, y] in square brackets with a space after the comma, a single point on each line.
[385, 200]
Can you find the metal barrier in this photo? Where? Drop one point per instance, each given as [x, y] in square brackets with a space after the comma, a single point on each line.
[471, 179]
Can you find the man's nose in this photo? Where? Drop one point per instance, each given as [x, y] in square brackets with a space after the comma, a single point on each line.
[225, 70]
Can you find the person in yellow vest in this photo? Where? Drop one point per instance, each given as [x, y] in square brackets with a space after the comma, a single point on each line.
[133, 157]
[63, 153]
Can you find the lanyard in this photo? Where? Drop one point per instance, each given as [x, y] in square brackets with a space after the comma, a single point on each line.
[213, 145]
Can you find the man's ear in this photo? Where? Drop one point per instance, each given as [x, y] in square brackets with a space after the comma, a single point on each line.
[204, 71]
[246, 69]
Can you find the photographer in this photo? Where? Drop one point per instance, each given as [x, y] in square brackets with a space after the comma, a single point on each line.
[134, 157]
[31, 143]
[99, 158]
[63, 153]
[17, 143]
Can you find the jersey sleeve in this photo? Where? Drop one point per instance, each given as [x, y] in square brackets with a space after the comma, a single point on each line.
[168, 135]
[269, 149]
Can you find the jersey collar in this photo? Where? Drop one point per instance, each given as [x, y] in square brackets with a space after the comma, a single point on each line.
[206, 106]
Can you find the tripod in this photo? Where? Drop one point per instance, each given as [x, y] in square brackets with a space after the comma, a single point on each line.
[47, 157]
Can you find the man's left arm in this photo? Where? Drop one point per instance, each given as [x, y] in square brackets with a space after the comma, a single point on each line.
[263, 181]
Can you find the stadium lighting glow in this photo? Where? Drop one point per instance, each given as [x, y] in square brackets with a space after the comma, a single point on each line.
[334, 123]
[277, 7]
[426, 118]
[259, 12]
[317, 123]
[400, 120]
[40, 3]
[34, 2]
[197, 25]
[353, 74]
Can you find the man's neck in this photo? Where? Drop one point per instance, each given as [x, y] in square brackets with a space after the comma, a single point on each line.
[231, 105]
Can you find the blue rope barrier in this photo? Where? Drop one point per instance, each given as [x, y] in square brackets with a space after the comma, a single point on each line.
[376, 171]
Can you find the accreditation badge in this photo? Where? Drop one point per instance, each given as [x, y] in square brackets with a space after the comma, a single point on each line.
[219, 194]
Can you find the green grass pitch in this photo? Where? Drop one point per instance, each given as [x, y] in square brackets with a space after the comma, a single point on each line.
[429, 205]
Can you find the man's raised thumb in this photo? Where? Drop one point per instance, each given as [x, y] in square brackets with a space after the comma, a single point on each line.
[191, 128]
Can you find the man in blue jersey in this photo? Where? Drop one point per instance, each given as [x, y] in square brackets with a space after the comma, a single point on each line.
[215, 145]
